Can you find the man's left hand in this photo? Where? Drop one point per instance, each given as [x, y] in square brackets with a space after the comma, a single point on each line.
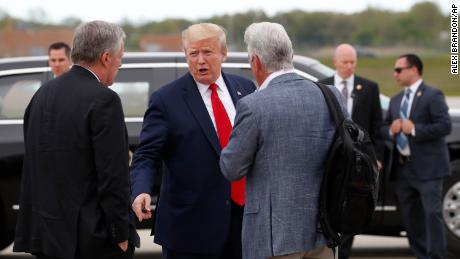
[407, 126]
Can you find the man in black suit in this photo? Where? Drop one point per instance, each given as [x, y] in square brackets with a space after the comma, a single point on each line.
[361, 97]
[75, 196]
[418, 121]
[188, 122]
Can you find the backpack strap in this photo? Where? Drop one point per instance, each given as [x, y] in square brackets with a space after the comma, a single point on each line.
[333, 239]
[332, 103]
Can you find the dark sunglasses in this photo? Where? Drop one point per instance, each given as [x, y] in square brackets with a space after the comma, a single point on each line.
[400, 69]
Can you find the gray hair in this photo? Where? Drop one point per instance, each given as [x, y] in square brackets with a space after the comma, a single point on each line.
[93, 38]
[271, 43]
[203, 31]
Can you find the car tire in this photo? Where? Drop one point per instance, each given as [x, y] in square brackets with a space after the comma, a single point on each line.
[6, 235]
[451, 210]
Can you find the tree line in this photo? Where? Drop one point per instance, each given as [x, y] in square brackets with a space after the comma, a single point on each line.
[424, 25]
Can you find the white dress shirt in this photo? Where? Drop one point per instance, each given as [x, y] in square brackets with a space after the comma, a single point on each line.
[413, 88]
[224, 96]
[350, 85]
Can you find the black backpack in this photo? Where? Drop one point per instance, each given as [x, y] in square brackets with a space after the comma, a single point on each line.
[349, 188]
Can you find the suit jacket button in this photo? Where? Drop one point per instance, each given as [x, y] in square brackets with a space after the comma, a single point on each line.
[227, 202]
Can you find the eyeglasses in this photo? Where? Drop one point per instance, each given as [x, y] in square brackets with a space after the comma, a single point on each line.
[400, 69]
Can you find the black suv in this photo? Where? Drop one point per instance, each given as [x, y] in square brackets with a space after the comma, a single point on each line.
[140, 75]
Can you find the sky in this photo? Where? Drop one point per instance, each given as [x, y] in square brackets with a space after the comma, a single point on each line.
[156, 10]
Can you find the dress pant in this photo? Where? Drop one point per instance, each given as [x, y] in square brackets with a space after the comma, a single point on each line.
[420, 203]
[232, 249]
[345, 247]
[116, 253]
[322, 252]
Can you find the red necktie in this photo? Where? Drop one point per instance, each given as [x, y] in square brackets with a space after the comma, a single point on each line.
[224, 128]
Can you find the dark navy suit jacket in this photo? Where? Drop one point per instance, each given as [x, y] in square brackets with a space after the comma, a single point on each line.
[430, 114]
[366, 112]
[193, 213]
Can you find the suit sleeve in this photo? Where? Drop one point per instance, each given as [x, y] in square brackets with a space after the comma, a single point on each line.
[108, 132]
[439, 124]
[376, 120]
[147, 160]
[237, 158]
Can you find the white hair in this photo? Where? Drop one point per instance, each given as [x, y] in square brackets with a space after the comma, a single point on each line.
[93, 38]
[271, 43]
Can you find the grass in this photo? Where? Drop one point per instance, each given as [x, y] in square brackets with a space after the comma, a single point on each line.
[436, 72]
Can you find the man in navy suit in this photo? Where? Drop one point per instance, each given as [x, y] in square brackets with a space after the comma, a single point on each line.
[188, 121]
[418, 121]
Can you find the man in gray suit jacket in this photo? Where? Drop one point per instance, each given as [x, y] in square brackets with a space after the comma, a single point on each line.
[280, 141]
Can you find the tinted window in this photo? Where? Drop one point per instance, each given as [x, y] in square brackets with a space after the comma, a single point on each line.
[134, 86]
[16, 92]
[133, 97]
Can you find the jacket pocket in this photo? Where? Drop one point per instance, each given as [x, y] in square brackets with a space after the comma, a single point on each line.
[251, 208]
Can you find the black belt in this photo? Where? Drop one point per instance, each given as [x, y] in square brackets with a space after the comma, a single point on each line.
[403, 159]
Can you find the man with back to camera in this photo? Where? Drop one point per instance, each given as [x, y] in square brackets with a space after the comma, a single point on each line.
[186, 125]
[59, 58]
[280, 142]
[417, 122]
[75, 196]
[361, 97]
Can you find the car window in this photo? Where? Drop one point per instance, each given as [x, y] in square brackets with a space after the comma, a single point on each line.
[16, 92]
[135, 84]
[133, 97]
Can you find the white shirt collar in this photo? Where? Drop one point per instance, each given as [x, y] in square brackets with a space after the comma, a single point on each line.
[350, 80]
[203, 88]
[274, 75]
[94, 74]
[413, 87]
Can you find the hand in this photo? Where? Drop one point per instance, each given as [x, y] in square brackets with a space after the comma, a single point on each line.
[379, 166]
[123, 245]
[407, 126]
[396, 126]
[141, 206]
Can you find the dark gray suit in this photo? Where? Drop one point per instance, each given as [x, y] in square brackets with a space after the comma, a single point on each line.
[75, 200]
[418, 178]
[280, 141]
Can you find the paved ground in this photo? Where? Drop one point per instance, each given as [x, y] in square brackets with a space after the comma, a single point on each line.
[453, 102]
[372, 247]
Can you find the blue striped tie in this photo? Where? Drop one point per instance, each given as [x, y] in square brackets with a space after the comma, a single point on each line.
[401, 138]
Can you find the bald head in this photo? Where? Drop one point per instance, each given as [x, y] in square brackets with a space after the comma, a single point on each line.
[345, 60]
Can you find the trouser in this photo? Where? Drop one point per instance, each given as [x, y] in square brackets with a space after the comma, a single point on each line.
[117, 253]
[322, 252]
[420, 203]
[232, 249]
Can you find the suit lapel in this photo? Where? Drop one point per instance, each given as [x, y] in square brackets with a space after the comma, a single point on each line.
[356, 92]
[193, 98]
[416, 99]
[397, 105]
[233, 88]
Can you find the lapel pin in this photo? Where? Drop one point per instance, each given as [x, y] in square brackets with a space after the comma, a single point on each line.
[238, 93]
[359, 87]
[419, 93]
